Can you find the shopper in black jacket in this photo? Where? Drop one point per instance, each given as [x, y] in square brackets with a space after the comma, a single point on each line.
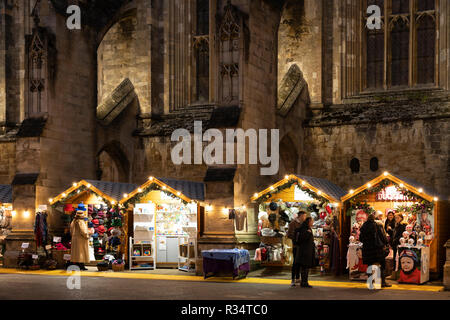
[305, 254]
[374, 241]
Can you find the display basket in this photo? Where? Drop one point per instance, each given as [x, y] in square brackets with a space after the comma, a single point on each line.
[102, 268]
[271, 240]
[118, 267]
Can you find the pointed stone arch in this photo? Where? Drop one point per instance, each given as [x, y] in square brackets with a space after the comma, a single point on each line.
[112, 163]
[289, 155]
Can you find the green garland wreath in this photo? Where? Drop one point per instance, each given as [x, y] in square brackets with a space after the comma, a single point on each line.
[152, 187]
[287, 185]
[423, 205]
[79, 190]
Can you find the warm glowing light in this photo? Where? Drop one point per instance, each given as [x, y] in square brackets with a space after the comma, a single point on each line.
[50, 200]
[255, 195]
[89, 185]
[420, 190]
[369, 185]
[271, 188]
[386, 173]
[13, 213]
[336, 204]
[352, 191]
[178, 193]
[319, 192]
[125, 195]
[139, 190]
[401, 185]
[164, 187]
[64, 195]
[286, 177]
[303, 183]
[75, 184]
[26, 214]
[436, 199]
[225, 210]
[244, 207]
[150, 178]
[209, 208]
[113, 202]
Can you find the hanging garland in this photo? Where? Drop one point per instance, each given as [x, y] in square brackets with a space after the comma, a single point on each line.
[423, 205]
[417, 208]
[76, 192]
[356, 206]
[154, 186]
[288, 185]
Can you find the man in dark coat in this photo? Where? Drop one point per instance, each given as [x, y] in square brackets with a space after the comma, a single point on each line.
[374, 242]
[295, 224]
[305, 253]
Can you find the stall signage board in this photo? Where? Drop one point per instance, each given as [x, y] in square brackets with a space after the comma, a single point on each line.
[67, 257]
[25, 245]
[35, 256]
[48, 247]
[56, 239]
[391, 194]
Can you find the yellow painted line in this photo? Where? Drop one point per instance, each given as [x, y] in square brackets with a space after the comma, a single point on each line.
[146, 276]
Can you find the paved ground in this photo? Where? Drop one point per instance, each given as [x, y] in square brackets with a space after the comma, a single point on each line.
[43, 287]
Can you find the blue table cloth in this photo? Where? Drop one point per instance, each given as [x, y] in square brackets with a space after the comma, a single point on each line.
[238, 256]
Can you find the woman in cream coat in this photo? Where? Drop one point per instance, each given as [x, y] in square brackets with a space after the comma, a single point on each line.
[80, 239]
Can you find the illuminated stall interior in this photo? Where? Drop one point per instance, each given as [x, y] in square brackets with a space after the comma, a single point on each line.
[163, 223]
[320, 199]
[105, 218]
[6, 213]
[425, 212]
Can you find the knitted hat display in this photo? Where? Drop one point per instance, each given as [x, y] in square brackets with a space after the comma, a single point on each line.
[96, 243]
[101, 230]
[100, 214]
[101, 221]
[328, 208]
[95, 222]
[114, 242]
[273, 206]
[116, 232]
[95, 235]
[117, 223]
[90, 209]
[81, 207]
[68, 208]
[90, 225]
[409, 254]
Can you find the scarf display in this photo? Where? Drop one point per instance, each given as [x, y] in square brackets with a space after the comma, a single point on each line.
[41, 229]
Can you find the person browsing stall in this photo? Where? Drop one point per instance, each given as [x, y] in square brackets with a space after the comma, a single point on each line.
[295, 224]
[305, 255]
[374, 242]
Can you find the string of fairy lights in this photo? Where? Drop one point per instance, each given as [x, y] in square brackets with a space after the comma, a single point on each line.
[287, 182]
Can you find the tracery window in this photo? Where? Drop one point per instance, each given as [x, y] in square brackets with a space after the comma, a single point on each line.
[403, 52]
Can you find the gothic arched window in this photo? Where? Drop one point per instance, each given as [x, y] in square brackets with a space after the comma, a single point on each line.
[403, 51]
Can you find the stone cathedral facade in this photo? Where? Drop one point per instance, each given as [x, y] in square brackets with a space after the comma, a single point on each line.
[102, 102]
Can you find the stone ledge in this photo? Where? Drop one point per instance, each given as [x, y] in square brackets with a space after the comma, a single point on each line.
[380, 112]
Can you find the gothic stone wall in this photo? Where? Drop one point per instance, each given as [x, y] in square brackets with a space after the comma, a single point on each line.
[7, 161]
[300, 42]
[125, 53]
[418, 150]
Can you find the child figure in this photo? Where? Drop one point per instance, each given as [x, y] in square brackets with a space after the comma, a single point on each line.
[409, 272]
